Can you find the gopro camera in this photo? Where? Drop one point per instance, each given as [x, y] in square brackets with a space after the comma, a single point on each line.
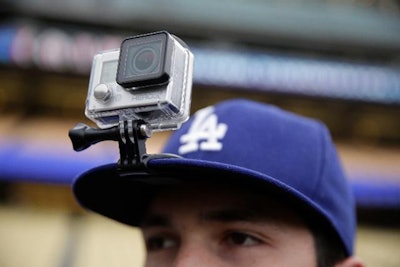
[149, 78]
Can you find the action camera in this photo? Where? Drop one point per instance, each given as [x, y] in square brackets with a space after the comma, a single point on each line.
[149, 78]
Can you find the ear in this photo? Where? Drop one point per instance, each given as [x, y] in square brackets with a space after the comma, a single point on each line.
[351, 262]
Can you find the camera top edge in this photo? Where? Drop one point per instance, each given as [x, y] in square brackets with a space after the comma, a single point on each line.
[143, 35]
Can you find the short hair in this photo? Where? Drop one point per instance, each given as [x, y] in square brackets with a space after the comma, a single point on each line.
[329, 249]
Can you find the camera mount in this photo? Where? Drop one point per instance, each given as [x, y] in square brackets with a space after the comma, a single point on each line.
[143, 86]
[131, 136]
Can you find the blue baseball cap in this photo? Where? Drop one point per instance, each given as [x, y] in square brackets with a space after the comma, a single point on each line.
[242, 140]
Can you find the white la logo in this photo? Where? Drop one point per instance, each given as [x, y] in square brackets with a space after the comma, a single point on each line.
[204, 133]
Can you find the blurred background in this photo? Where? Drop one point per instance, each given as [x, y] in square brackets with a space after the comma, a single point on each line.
[334, 60]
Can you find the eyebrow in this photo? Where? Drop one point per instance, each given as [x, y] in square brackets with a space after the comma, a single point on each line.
[233, 215]
[154, 220]
[222, 215]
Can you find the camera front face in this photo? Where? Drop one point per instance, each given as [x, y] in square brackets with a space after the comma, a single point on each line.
[143, 61]
[148, 78]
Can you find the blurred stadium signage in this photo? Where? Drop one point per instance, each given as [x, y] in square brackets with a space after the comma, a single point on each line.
[66, 50]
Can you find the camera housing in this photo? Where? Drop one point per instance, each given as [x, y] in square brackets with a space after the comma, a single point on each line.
[149, 78]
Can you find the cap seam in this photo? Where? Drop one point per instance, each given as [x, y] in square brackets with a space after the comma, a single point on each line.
[323, 163]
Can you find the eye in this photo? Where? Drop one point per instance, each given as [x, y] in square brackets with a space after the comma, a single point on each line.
[160, 242]
[241, 239]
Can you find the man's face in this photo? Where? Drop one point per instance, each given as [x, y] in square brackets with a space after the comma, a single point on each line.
[215, 226]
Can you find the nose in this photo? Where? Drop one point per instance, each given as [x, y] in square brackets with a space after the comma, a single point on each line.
[197, 255]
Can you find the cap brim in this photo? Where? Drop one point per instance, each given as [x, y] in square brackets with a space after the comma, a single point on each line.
[125, 197]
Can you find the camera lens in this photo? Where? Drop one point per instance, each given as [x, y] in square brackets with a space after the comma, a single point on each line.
[144, 61]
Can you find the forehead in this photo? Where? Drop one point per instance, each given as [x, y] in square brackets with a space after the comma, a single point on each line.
[226, 201]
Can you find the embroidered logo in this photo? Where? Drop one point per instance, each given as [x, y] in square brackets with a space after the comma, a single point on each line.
[204, 134]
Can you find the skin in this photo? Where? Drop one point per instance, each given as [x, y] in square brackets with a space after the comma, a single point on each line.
[221, 227]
